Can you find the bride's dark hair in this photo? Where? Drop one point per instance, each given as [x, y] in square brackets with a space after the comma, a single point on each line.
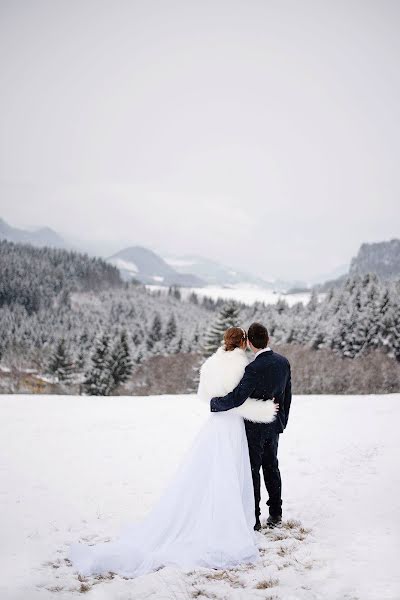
[233, 337]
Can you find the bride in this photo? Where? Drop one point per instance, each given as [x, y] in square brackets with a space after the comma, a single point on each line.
[205, 517]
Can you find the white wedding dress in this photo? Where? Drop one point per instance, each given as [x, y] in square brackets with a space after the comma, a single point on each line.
[205, 517]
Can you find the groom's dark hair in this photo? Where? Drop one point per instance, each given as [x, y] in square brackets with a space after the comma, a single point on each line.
[258, 335]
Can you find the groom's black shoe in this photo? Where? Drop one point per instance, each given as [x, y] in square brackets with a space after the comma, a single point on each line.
[257, 526]
[274, 521]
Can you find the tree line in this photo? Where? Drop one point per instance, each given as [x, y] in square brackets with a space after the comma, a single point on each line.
[78, 319]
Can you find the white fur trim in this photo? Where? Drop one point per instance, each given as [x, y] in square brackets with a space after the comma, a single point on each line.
[258, 411]
[221, 373]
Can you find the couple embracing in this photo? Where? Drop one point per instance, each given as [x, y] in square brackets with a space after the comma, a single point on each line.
[207, 515]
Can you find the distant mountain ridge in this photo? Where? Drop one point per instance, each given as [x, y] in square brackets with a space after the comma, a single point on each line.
[382, 258]
[148, 267]
[215, 273]
[44, 236]
[212, 272]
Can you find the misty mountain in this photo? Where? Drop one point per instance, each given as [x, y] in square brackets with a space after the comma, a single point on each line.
[44, 236]
[148, 267]
[382, 258]
[214, 273]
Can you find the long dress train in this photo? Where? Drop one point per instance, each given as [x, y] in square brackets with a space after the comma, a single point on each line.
[204, 518]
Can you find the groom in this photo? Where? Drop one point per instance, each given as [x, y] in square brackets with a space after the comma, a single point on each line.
[267, 377]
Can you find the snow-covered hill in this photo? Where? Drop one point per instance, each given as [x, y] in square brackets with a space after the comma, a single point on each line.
[148, 267]
[79, 468]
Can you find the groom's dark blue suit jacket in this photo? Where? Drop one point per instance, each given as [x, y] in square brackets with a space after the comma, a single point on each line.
[267, 377]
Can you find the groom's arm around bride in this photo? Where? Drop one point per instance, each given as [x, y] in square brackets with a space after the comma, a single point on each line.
[267, 377]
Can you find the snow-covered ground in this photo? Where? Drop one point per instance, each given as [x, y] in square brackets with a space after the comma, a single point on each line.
[76, 468]
[246, 294]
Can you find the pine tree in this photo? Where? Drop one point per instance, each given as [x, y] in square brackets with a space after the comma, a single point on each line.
[81, 360]
[357, 326]
[373, 315]
[138, 356]
[281, 306]
[193, 298]
[61, 364]
[196, 337]
[155, 333]
[391, 330]
[175, 292]
[313, 301]
[65, 298]
[120, 361]
[227, 317]
[98, 378]
[386, 321]
[170, 331]
[179, 345]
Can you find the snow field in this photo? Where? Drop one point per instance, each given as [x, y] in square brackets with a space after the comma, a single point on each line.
[81, 467]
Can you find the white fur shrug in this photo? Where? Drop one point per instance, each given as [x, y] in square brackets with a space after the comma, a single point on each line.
[221, 373]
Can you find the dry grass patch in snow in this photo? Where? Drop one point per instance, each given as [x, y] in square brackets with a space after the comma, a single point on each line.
[267, 583]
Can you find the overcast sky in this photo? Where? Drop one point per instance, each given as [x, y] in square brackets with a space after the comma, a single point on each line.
[264, 134]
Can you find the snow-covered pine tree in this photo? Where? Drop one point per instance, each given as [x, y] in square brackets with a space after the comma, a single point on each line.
[155, 335]
[386, 322]
[356, 326]
[196, 337]
[170, 331]
[61, 364]
[193, 298]
[281, 306]
[82, 351]
[98, 378]
[175, 292]
[227, 317]
[313, 301]
[372, 317]
[138, 356]
[81, 360]
[120, 361]
[390, 329]
[395, 332]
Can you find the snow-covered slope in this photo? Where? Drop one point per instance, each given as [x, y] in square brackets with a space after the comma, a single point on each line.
[79, 468]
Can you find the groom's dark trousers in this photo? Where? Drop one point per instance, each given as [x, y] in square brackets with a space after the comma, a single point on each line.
[267, 377]
[263, 452]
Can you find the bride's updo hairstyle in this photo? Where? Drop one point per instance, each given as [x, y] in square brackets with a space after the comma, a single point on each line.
[233, 337]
